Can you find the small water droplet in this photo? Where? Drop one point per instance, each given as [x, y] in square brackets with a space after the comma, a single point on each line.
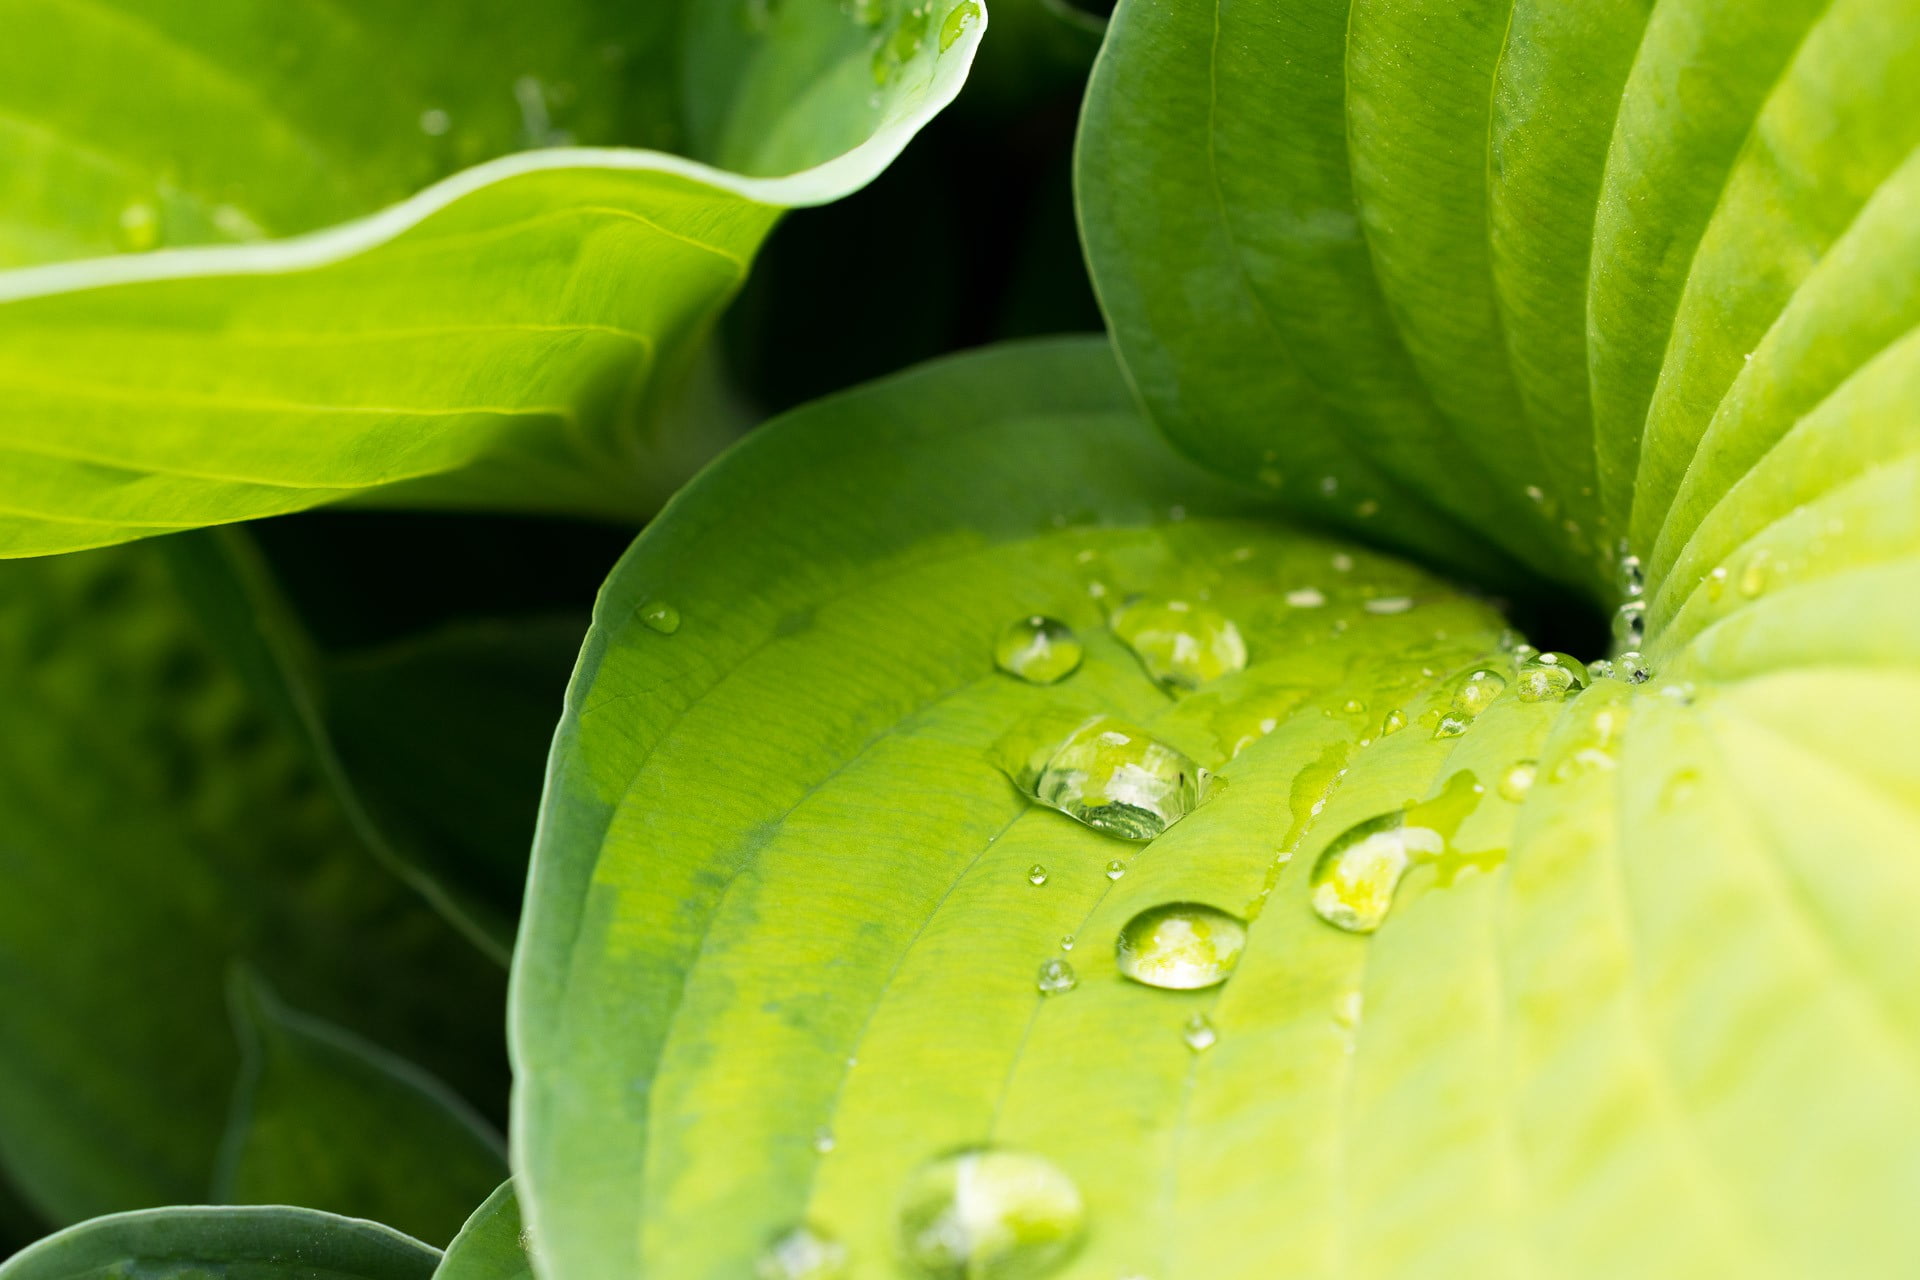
[1478, 690]
[1036, 875]
[1682, 692]
[1354, 707]
[1066, 942]
[989, 1214]
[1393, 722]
[1630, 625]
[1038, 649]
[963, 16]
[1182, 645]
[1056, 977]
[1518, 780]
[1347, 1008]
[660, 616]
[1633, 668]
[1180, 946]
[1104, 772]
[1389, 604]
[1329, 485]
[1523, 654]
[434, 122]
[1116, 869]
[1306, 598]
[1367, 509]
[236, 223]
[1755, 575]
[1631, 577]
[1716, 581]
[802, 1253]
[1551, 676]
[1452, 725]
[823, 1141]
[1199, 1033]
[139, 227]
[1600, 669]
[1341, 562]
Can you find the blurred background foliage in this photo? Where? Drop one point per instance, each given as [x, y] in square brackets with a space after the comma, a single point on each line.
[267, 792]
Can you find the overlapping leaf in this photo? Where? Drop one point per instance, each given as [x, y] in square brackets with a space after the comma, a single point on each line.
[267, 1243]
[511, 335]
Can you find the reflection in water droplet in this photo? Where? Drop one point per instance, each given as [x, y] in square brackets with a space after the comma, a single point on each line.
[1105, 773]
[1182, 645]
[1518, 780]
[1199, 1033]
[1038, 649]
[139, 228]
[661, 617]
[1180, 946]
[1036, 875]
[1116, 869]
[1551, 676]
[989, 1214]
[963, 16]
[1633, 668]
[804, 1253]
[1056, 977]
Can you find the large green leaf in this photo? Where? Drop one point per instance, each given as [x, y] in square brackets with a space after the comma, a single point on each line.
[159, 821]
[513, 334]
[229, 1243]
[324, 1119]
[1645, 1011]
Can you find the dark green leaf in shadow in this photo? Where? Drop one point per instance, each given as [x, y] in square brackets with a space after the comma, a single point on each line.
[324, 1119]
[227, 1244]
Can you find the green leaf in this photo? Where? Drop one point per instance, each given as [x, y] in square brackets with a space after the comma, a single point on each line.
[230, 1243]
[159, 821]
[538, 311]
[324, 1119]
[1639, 1006]
[492, 1245]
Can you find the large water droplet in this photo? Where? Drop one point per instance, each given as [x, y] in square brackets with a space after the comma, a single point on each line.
[1105, 773]
[803, 1253]
[1056, 977]
[1478, 690]
[1181, 644]
[1355, 877]
[989, 1214]
[1551, 676]
[1199, 1033]
[1040, 650]
[1180, 946]
[661, 617]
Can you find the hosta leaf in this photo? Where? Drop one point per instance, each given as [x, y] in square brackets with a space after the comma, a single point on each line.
[492, 1246]
[229, 1243]
[511, 335]
[1639, 1005]
[160, 823]
[324, 1119]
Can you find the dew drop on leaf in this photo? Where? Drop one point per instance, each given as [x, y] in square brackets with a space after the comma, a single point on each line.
[1355, 877]
[1633, 668]
[1393, 722]
[823, 1141]
[1630, 625]
[1066, 942]
[1755, 575]
[1056, 977]
[1039, 650]
[1716, 581]
[1389, 605]
[1199, 1033]
[1036, 875]
[1180, 946]
[989, 1214]
[1306, 598]
[1601, 669]
[1116, 869]
[964, 15]
[1104, 772]
[1518, 780]
[1182, 645]
[434, 122]
[139, 227]
[1630, 577]
[803, 1253]
[660, 616]
[1477, 691]
[1551, 676]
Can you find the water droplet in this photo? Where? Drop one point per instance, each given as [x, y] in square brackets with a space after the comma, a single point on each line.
[900, 48]
[1105, 773]
[1389, 604]
[1341, 562]
[236, 223]
[661, 617]
[1631, 577]
[1056, 977]
[1633, 668]
[1716, 581]
[1551, 676]
[1036, 875]
[803, 1253]
[1180, 946]
[1478, 690]
[1355, 876]
[1630, 625]
[1354, 707]
[1066, 942]
[1182, 645]
[1754, 576]
[1367, 509]
[1600, 669]
[139, 228]
[1329, 485]
[1116, 869]
[1394, 722]
[1038, 649]
[867, 13]
[963, 16]
[989, 1214]
[1451, 725]
[1682, 693]
[434, 122]
[1347, 1008]
[1199, 1033]
[1518, 780]
[823, 1141]
[1536, 494]
[1523, 654]
[1306, 598]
